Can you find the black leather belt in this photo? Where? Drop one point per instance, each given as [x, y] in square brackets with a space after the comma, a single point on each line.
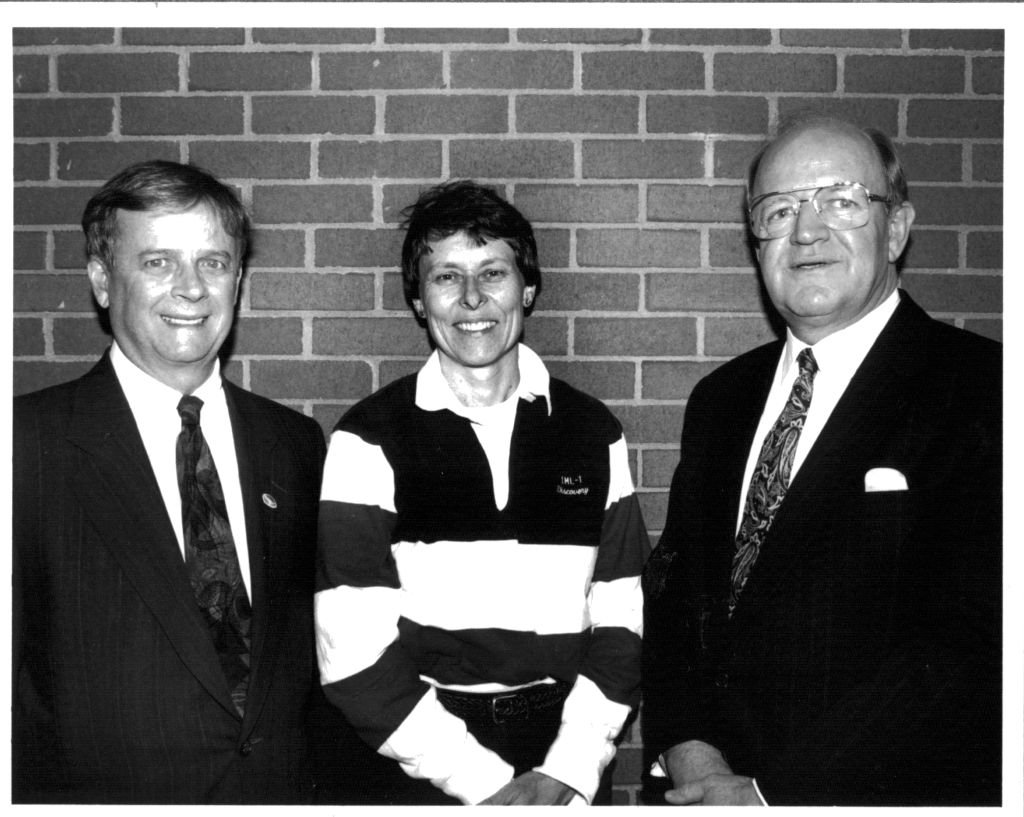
[503, 707]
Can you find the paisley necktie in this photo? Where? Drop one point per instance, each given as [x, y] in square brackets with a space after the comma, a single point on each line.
[770, 480]
[210, 555]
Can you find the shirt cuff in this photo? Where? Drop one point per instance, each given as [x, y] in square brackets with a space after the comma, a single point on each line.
[585, 743]
[757, 790]
[432, 743]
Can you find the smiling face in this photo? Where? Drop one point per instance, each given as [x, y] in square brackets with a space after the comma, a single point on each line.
[823, 280]
[473, 298]
[171, 291]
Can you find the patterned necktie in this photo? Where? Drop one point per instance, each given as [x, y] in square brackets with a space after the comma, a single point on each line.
[210, 552]
[770, 479]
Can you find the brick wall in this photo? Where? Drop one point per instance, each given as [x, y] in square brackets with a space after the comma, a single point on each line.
[626, 148]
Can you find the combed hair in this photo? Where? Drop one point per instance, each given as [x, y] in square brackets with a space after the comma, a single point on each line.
[895, 176]
[463, 206]
[159, 185]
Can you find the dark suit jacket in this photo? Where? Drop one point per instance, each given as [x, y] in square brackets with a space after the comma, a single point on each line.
[117, 691]
[862, 662]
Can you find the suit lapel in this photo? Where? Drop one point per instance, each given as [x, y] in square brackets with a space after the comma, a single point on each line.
[739, 427]
[255, 441]
[873, 403]
[118, 492]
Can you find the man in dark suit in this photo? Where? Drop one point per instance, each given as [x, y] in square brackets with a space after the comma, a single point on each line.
[163, 634]
[822, 613]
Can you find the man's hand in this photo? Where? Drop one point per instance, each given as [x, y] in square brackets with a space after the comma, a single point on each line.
[715, 790]
[531, 789]
[700, 776]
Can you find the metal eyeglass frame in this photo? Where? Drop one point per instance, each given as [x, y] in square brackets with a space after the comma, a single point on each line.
[814, 203]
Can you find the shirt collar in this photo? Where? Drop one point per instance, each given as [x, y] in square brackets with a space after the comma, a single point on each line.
[433, 393]
[848, 347]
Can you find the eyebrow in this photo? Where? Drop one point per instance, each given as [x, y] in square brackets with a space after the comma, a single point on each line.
[456, 265]
[178, 251]
[755, 200]
[223, 255]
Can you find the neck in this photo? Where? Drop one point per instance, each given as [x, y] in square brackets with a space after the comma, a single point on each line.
[811, 331]
[486, 386]
[185, 380]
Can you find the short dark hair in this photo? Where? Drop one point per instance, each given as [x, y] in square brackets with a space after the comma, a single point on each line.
[159, 185]
[892, 166]
[463, 206]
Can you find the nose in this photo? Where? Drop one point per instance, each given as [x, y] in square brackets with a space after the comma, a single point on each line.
[189, 283]
[472, 295]
[809, 227]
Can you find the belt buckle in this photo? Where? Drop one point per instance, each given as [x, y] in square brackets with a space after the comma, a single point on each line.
[508, 707]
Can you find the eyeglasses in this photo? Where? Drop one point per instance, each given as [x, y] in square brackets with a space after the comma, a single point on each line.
[840, 206]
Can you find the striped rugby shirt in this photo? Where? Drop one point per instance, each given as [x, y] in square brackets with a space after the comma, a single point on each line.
[431, 573]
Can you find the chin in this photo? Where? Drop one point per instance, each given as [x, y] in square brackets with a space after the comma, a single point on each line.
[478, 361]
[814, 304]
[191, 355]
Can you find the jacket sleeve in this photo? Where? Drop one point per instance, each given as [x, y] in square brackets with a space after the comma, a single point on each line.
[676, 701]
[363, 669]
[34, 745]
[608, 684]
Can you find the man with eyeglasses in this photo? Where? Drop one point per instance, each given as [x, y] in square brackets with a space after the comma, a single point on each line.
[822, 612]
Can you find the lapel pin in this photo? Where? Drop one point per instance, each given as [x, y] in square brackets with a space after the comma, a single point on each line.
[269, 501]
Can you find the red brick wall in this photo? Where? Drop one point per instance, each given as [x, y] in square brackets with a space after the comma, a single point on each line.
[626, 148]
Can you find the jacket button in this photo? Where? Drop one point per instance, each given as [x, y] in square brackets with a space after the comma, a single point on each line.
[722, 680]
[245, 749]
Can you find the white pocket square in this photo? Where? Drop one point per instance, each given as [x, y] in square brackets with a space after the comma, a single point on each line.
[884, 479]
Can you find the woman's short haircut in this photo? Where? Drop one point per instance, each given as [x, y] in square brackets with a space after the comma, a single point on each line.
[464, 207]
[159, 185]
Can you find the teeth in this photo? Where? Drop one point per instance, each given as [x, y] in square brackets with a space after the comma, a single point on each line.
[477, 326]
[183, 321]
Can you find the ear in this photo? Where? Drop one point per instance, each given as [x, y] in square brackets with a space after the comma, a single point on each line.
[900, 221]
[529, 293]
[99, 279]
[417, 306]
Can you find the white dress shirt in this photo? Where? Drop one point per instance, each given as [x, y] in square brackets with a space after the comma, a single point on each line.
[838, 356]
[155, 408]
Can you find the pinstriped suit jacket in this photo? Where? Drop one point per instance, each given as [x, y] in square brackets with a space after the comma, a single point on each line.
[117, 691]
[862, 663]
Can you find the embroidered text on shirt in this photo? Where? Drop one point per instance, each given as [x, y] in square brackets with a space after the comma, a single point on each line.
[572, 486]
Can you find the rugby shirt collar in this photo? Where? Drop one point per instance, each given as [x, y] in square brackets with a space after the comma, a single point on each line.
[433, 394]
